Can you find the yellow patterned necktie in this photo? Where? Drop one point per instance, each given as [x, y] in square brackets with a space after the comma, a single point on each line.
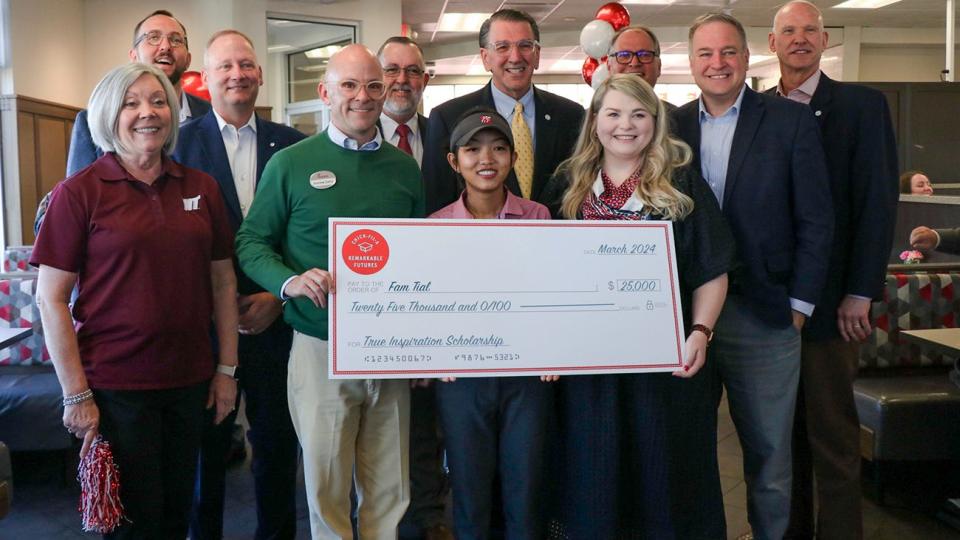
[524, 144]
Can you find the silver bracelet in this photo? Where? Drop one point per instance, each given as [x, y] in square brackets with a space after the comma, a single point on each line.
[78, 398]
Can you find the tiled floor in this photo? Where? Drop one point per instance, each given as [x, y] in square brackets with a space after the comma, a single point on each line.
[44, 506]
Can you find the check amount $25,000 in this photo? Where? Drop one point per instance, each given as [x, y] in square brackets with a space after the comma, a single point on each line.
[433, 298]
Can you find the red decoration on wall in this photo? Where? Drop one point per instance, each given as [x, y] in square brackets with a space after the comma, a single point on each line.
[615, 14]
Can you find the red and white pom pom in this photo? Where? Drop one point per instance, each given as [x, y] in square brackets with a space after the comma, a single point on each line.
[100, 507]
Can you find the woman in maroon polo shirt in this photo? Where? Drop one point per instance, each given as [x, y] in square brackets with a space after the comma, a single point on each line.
[149, 246]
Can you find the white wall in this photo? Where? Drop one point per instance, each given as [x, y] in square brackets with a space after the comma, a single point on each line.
[47, 41]
[61, 48]
[917, 63]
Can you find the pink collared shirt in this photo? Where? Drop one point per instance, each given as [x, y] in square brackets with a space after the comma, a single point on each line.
[513, 208]
[804, 92]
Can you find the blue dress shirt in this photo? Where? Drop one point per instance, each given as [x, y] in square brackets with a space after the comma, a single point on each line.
[505, 105]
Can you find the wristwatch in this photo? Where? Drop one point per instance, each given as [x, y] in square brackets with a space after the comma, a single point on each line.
[702, 328]
[231, 371]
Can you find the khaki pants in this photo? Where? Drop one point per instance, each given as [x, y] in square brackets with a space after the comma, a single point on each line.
[347, 425]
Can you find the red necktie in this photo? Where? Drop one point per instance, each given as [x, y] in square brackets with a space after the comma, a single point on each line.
[403, 131]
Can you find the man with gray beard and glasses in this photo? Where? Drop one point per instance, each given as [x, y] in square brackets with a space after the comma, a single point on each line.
[405, 75]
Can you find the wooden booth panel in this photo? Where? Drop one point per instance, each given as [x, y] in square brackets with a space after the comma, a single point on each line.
[43, 138]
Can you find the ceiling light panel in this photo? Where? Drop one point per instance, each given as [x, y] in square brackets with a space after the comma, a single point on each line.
[461, 22]
[865, 4]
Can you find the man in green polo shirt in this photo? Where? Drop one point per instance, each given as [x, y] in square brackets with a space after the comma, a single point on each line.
[346, 170]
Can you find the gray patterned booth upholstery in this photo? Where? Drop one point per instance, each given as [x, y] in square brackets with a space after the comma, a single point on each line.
[908, 406]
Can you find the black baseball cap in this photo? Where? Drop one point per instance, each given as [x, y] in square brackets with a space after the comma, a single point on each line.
[475, 120]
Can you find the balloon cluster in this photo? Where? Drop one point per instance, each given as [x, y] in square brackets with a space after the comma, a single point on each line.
[193, 84]
[595, 41]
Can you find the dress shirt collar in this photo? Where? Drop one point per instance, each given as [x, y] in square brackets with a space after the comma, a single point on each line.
[390, 125]
[804, 92]
[734, 110]
[511, 207]
[500, 97]
[505, 104]
[340, 139]
[185, 112]
[251, 123]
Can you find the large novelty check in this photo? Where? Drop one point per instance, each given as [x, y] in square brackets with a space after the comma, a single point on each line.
[434, 298]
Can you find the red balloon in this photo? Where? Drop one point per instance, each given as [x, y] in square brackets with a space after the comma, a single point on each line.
[615, 14]
[192, 84]
[589, 66]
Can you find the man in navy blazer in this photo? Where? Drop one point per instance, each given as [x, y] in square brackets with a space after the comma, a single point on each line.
[510, 49]
[233, 145]
[861, 152]
[763, 158]
[160, 40]
[171, 54]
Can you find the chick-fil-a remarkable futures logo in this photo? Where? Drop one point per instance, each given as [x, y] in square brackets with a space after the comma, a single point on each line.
[365, 251]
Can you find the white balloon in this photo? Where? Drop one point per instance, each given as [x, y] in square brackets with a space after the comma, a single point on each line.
[599, 75]
[595, 38]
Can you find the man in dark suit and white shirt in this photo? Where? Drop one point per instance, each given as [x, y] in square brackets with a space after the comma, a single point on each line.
[861, 153]
[763, 158]
[405, 74]
[545, 126]
[233, 145]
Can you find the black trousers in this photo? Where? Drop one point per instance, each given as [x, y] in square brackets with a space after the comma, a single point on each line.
[428, 481]
[263, 382]
[155, 435]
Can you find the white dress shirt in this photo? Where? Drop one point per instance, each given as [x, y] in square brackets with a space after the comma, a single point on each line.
[185, 112]
[415, 138]
[241, 146]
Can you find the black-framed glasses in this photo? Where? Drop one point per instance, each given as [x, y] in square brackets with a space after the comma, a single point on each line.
[350, 88]
[644, 56]
[412, 72]
[525, 46]
[155, 38]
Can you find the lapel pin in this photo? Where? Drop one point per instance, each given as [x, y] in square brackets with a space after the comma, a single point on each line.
[818, 113]
[272, 144]
[546, 117]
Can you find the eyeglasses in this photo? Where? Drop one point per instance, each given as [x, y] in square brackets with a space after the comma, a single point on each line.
[644, 56]
[155, 38]
[350, 88]
[412, 72]
[503, 48]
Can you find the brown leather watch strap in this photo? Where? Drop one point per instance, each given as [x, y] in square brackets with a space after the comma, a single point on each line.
[702, 328]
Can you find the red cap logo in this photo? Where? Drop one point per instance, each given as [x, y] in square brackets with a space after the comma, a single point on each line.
[485, 119]
[365, 251]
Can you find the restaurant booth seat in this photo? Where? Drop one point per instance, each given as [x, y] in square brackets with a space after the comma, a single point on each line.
[31, 412]
[909, 408]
